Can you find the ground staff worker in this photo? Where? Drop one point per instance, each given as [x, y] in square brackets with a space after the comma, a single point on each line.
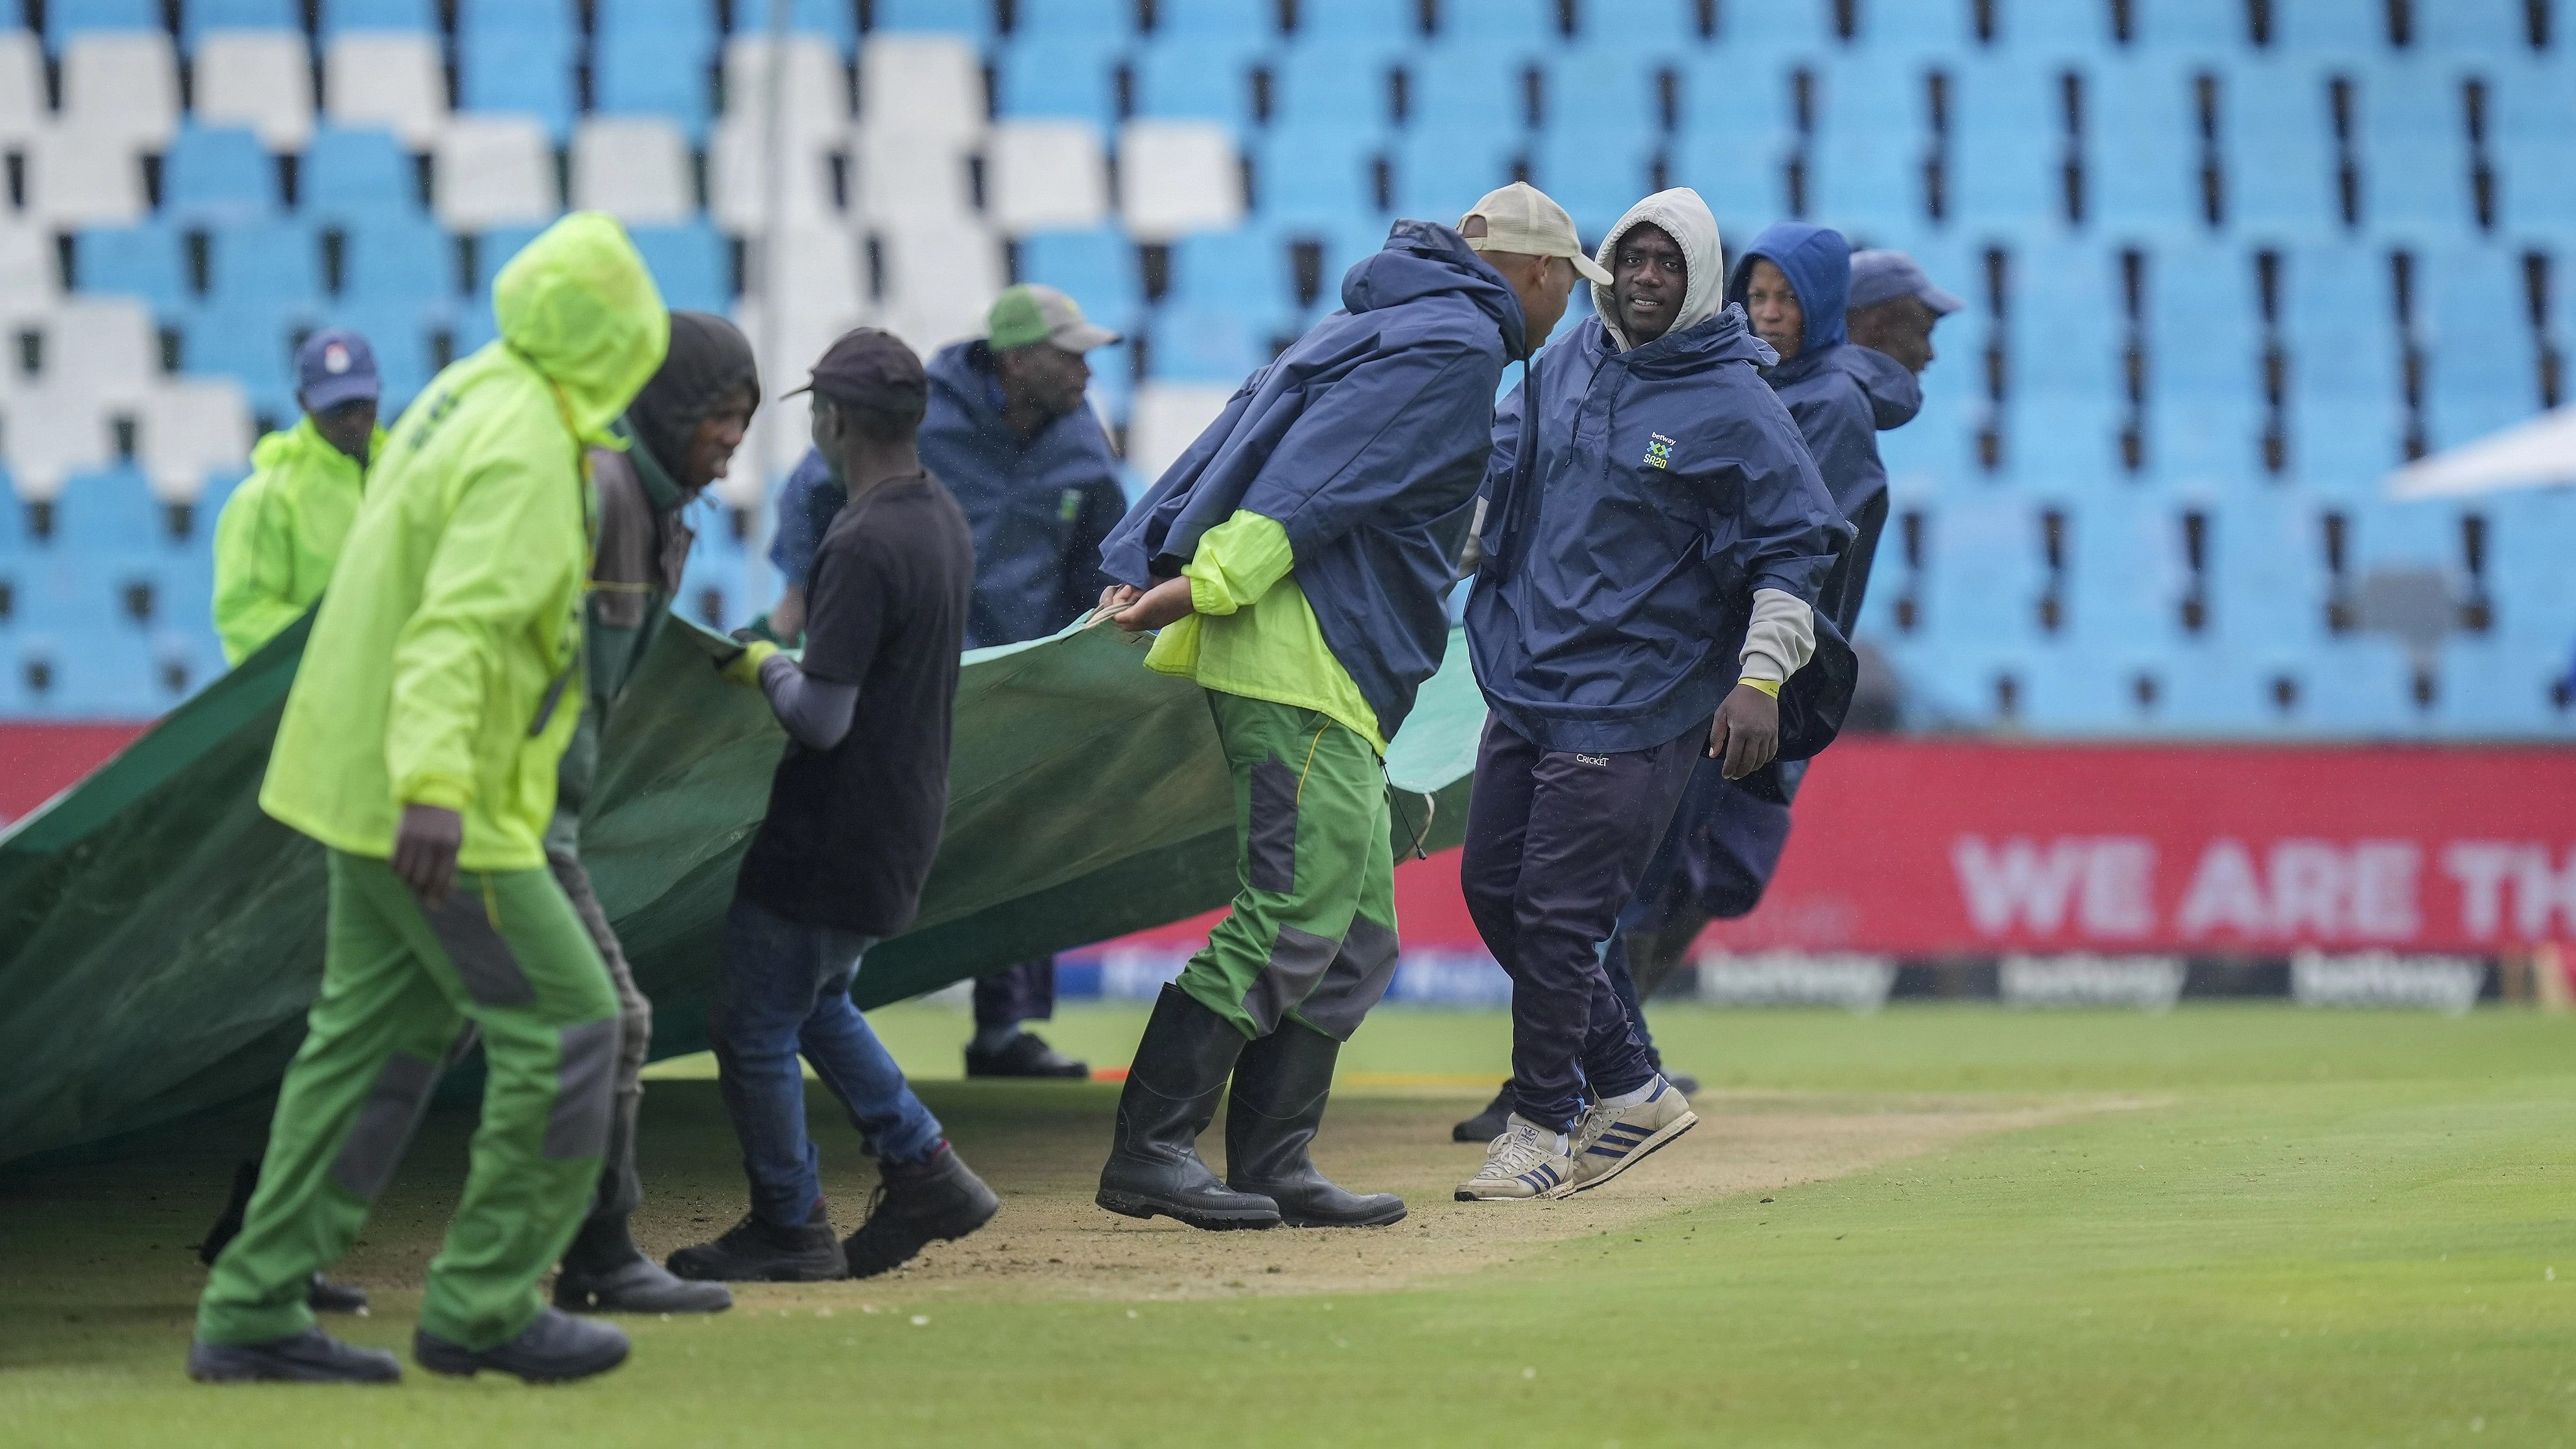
[281, 531]
[1295, 559]
[420, 745]
[680, 435]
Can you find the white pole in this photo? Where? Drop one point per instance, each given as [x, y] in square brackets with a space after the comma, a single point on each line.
[765, 253]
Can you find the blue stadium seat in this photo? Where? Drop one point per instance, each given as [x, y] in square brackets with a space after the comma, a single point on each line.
[397, 331]
[143, 261]
[1464, 84]
[200, 16]
[1776, 26]
[268, 263]
[67, 18]
[1529, 23]
[2484, 370]
[2360, 686]
[2209, 27]
[1913, 27]
[1198, 344]
[1984, 572]
[690, 263]
[1247, 269]
[1866, 167]
[95, 675]
[1321, 86]
[250, 341]
[537, 22]
[2276, 141]
[184, 661]
[1258, 18]
[2531, 114]
[2142, 146]
[1340, 20]
[1745, 184]
[2064, 326]
[970, 18]
[1440, 172]
[217, 177]
[2043, 28]
[2502, 688]
[2345, 395]
[2007, 155]
[2126, 574]
[676, 21]
[1595, 177]
[1315, 176]
[350, 175]
[2389, 533]
[651, 72]
[2530, 537]
[1934, 457]
[2486, 30]
[1059, 75]
[339, 16]
[1604, 90]
[531, 74]
[2267, 569]
[2415, 151]
[2094, 688]
[1098, 269]
[1199, 76]
[2338, 27]
[1056, 19]
[397, 258]
[2204, 322]
[1661, 26]
[834, 20]
[109, 512]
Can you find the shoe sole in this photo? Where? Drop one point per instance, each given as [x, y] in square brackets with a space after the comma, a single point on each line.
[260, 1377]
[469, 1365]
[1470, 1195]
[1647, 1148]
[819, 1273]
[1381, 1221]
[1129, 1205]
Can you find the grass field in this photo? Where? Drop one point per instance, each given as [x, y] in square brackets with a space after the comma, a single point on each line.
[1938, 1225]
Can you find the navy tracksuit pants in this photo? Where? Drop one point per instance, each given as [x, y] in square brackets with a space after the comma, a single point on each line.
[1556, 842]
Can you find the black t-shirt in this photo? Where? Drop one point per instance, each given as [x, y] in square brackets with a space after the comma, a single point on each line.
[851, 830]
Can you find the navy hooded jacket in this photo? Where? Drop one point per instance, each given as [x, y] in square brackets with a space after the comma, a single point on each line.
[1628, 531]
[1842, 395]
[1365, 441]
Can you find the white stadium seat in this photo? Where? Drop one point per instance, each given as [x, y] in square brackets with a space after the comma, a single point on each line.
[122, 83]
[258, 79]
[1046, 176]
[817, 90]
[491, 170]
[190, 427]
[1169, 416]
[820, 271]
[1177, 177]
[50, 434]
[30, 278]
[81, 178]
[925, 84]
[391, 79]
[22, 87]
[738, 160]
[635, 168]
[940, 280]
[103, 348]
[903, 176]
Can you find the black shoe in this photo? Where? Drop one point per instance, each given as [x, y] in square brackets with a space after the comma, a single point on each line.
[639, 1285]
[324, 1296]
[752, 1251]
[310, 1357]
[1181, 1066]
[1489, 1124]
[1025, 1055]
[1280, 1086]
[556, 1348]
[932, 1202]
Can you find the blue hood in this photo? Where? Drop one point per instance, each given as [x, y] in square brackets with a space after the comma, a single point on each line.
[1817, 262]
[1423, 259]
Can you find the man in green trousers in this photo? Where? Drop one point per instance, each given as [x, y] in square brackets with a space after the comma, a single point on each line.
[420, 746]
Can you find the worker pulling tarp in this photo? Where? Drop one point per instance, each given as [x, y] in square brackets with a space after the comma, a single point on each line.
[161, 938]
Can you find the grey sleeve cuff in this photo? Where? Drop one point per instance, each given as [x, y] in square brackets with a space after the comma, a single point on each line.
[816, 713]
[1781, 636]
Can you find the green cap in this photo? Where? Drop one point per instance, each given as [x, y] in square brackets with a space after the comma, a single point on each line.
[1027, 314]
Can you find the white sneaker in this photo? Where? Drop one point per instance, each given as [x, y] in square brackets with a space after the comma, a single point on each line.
[1607, 1139]
[1525, 1162]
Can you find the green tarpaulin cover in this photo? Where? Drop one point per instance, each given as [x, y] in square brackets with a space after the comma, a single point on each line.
[160, 938]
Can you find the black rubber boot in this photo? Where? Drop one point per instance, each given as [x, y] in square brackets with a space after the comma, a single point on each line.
[555, 1349]
[1025, 1055]
[604, 1272]
[1154, 1169]
[1280, 1087]
[752, 1251]
[914, 1206]
[1487, 1125]
[310, 1357]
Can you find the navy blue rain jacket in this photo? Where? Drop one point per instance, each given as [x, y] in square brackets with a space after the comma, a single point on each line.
[1842, 395]
[1628, 531]
[1366, 441]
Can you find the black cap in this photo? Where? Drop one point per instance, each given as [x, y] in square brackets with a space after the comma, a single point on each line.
[871, 368]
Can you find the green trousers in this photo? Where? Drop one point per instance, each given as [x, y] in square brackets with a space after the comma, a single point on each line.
[506, 952]
[1311, 935]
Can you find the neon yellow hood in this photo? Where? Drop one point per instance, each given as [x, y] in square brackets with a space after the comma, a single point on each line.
[579, 302]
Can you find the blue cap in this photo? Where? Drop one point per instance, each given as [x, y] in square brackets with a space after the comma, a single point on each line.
[1883, 275]
[332, 367]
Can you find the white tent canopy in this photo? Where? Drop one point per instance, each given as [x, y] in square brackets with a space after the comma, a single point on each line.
[2535, 454]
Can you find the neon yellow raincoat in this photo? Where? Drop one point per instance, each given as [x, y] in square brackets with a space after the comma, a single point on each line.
[280, 533]
[444, 667]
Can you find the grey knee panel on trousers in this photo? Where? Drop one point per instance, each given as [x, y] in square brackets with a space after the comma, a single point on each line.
[1359, 976]
[1298, 961]
[482, 956]
[1270, 841]
[385, 1123]
[578, 1125]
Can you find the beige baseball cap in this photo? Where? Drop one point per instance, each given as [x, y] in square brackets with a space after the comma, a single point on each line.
[1521, 218]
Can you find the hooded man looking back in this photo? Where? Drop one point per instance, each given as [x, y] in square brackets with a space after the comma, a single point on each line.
[420, 744]
[1295, 558]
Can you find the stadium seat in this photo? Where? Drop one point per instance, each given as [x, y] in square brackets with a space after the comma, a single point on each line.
[2532, 113]
[1167, 417]
[493, 170]
[342, 16]
[1468, 82]
[2006, 147]
[352, 174]
[973, 21]
[65, 19]
[199, 19]
[650, 72]
[1045, 175]
[499, 71]
[1338, 21]
[1318, 87]
[1595, 177]
[940, 281]
[270, 263]
[2360, 686]
[217, 177]
[81, 178]
[909, 177]
[1910, 27]
[2039, 31]
[1199, 78]
[1248, 268]
[1097, 268]
[1258, 19]
[122, 84]
[922, 85]
[1211, 345]
[738, 159]
[2345, 391]
[30, 278]
[1607, 90]
[1440, 173]
[2141, 147]
[105, 349]
[2276, 141]
[1983, 572]
[396, 259]
[396, 80]
[689, 263]
[674, 20]
[189, 428]
[2478, 345]
[816, 99]
[262, 79]
[1178, 176]
[2502, 688]
[52, 431]
[539, 23]
[1060, 76]
[1532, 24]
[2126, 574]
[2268, 580]
[821, 268]
[2204, 27]
[833, 21]
[1867, 172]
[635, 168]
[2414, 135]
[2485, 30]
[251, 341]
[23, 105]
[1315, 177]
[142, 261]
[2333, 27]
[398, 331]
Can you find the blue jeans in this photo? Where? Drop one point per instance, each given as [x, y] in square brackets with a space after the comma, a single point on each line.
[782, 988]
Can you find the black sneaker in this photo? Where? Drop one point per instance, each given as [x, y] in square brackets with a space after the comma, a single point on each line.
[555, 1349]
[324, 1296]
[639, 1285]
[752, 1251]
[310, 1357]
[1025, 1055]
[1489, 1124]
[933, 1202]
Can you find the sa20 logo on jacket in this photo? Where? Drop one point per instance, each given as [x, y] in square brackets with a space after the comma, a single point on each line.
[1659, 451]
